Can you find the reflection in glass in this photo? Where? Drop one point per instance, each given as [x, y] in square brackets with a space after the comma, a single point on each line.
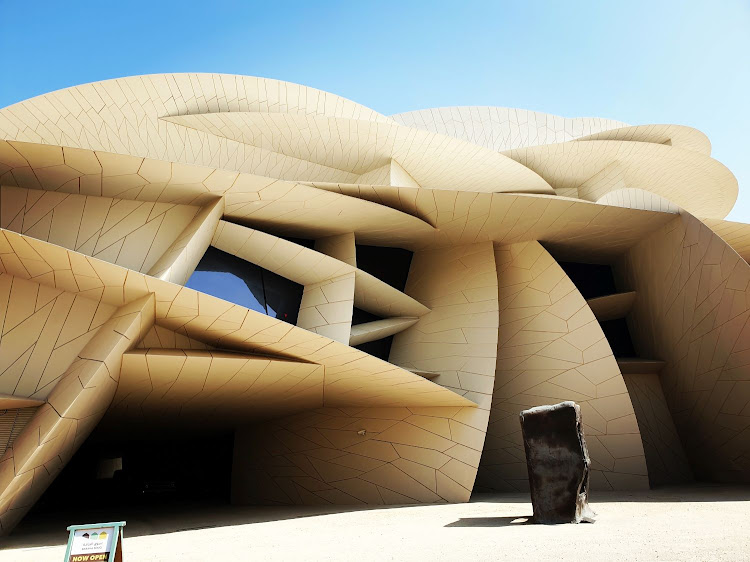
[235, 280]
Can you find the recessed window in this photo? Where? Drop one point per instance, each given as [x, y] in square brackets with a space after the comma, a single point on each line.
[235, 280]
[390, 265]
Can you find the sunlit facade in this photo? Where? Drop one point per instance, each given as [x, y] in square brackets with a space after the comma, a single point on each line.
[320, 304]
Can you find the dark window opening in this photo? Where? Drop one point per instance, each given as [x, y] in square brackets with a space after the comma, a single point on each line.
[618, 336]
[390, 265]
[306, 242]
[235, 280]
[592, 280]
[360, 316]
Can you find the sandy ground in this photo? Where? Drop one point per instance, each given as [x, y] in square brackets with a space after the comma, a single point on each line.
[697, 523]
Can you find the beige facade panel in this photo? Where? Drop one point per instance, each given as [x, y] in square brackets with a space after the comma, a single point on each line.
[611, 307]
[503, 128]
[689, 179]
[693, 312]
[178, 263]
[379, 329]
[392, 173]
[665, 456]
[377, 297]
[393, 455]
[111, 193]
[327, 307]
[385, 195]
[579, 228]
[106, 174]
[133, 234]
[110, 115]
[178, 388]
[163, 338]
[312, 148]
[458, 337]
[9, 401]
[632, 198]
[305, 211]
[288, 259]
[551, 348]
[355, 377]
[360, 456]
[736, 234]
[44, 330]
[671, 135]
[399, 176]
[73, 409]
[343, 247]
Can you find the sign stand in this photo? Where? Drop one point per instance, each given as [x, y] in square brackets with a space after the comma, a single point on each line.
[98, 542]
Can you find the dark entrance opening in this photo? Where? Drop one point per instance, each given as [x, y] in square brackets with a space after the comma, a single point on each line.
[109, 478]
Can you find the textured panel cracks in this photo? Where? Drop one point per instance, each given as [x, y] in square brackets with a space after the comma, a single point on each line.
[133, 234]
[199, 389]
[693, 312]
[458, 337]
[503, 128]
[665, 456]
[43, 331]
[551, 348]
[73, 409]
[360, 456]
[177, 264]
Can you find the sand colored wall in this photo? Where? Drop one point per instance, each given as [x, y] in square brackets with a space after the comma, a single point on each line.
[343, 247]
[458, 337]
[197, 389]
[634, 198]
[736, 234]
[43, 331]
[551, 348]
[406, 455]
[177, 264]
[327, 307]
[164, 338]
[498, 328]
[693, 311]
[133, 234]
[410, 454]
[73, 409]
[665, 456]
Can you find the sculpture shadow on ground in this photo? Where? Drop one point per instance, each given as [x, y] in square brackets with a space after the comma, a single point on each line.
[504, 521]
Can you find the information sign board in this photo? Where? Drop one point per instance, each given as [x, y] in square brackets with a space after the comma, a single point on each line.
[98, 542]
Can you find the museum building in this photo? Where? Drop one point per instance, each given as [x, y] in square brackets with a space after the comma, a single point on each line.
[229, 288]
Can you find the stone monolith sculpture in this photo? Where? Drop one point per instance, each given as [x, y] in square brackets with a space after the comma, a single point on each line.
[558, 463]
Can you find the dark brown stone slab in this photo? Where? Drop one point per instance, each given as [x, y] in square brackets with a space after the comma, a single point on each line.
[558, 463]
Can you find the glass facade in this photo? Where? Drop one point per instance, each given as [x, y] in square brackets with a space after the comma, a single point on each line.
[235, 280]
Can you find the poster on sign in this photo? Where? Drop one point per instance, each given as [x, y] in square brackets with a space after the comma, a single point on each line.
[92, 544]
[99, 542]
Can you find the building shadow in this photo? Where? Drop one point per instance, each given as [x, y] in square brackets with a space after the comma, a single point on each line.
[49, 529]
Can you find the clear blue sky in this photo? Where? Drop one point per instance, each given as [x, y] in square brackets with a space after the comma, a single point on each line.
[655, 61]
